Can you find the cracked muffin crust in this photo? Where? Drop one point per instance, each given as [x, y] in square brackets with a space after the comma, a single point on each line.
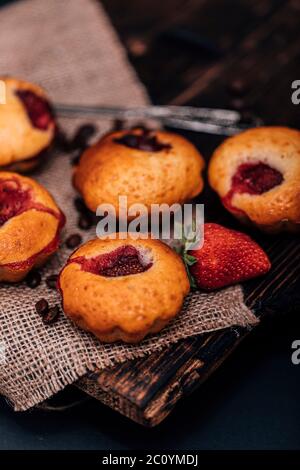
[30, 223]
[27, 125]
[123, 289]
[257, 176]
[149, 167]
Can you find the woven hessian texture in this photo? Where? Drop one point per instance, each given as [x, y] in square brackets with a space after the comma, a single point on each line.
[71, 49]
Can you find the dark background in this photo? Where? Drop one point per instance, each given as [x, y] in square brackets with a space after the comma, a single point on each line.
[194, 52]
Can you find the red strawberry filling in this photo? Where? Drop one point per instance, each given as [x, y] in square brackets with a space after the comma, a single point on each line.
[255, 178]
[252, 178]
[37, 108]
[146, 141]
[123, 261]
[13, 200]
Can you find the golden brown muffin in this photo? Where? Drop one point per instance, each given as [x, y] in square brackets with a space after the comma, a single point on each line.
[27, 125]
[30, 223]
[257, 176]
[146, 166]
[123, 289]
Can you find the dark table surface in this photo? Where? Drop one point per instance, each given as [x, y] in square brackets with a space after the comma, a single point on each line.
[251, 402]
[188, 52]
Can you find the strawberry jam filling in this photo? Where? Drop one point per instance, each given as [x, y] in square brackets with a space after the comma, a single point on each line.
[14, 200]
[37, 108]
[123, 261]
[146, 141]
[252, 178]
[255, 178]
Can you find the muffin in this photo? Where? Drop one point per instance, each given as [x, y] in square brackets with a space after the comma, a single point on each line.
[145, 166]
[27, 125]
[257, 176]
[123, 289]
[30, 223]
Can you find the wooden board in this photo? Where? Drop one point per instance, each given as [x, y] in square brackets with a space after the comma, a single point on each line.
[257, 42]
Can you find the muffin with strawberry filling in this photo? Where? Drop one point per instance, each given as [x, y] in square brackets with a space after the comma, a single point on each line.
[123, 289]
[257, 176]
[30, 224]
[27, 125]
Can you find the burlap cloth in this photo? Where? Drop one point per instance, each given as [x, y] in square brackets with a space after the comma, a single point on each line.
[70, 48]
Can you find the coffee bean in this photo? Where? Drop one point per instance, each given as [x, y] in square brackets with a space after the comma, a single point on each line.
[62, 142]
[73, 240]
[52, 315]
[42, 307]
[83, 135]
[85, 221]
[118, 125]
[33, 279]
[51, 281]
[80, 205]
[75, 160]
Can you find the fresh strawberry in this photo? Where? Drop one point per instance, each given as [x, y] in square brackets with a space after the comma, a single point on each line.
[227, 257]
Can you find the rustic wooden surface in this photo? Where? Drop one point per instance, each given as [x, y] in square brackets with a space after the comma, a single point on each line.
[193, 52]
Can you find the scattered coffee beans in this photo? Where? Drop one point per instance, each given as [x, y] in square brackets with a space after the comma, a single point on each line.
[75, 160]
[83, 135]
[33, 279]
[62, 142]
[85, 221]
[52, 315]
[51, 281]
[118, 125]
[73, 240]
[80, 205]
[42, 307]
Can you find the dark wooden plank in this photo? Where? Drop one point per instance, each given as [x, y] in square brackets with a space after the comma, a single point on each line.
[150, 387]
[267, 54]
[168, 66]
[257, 57]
